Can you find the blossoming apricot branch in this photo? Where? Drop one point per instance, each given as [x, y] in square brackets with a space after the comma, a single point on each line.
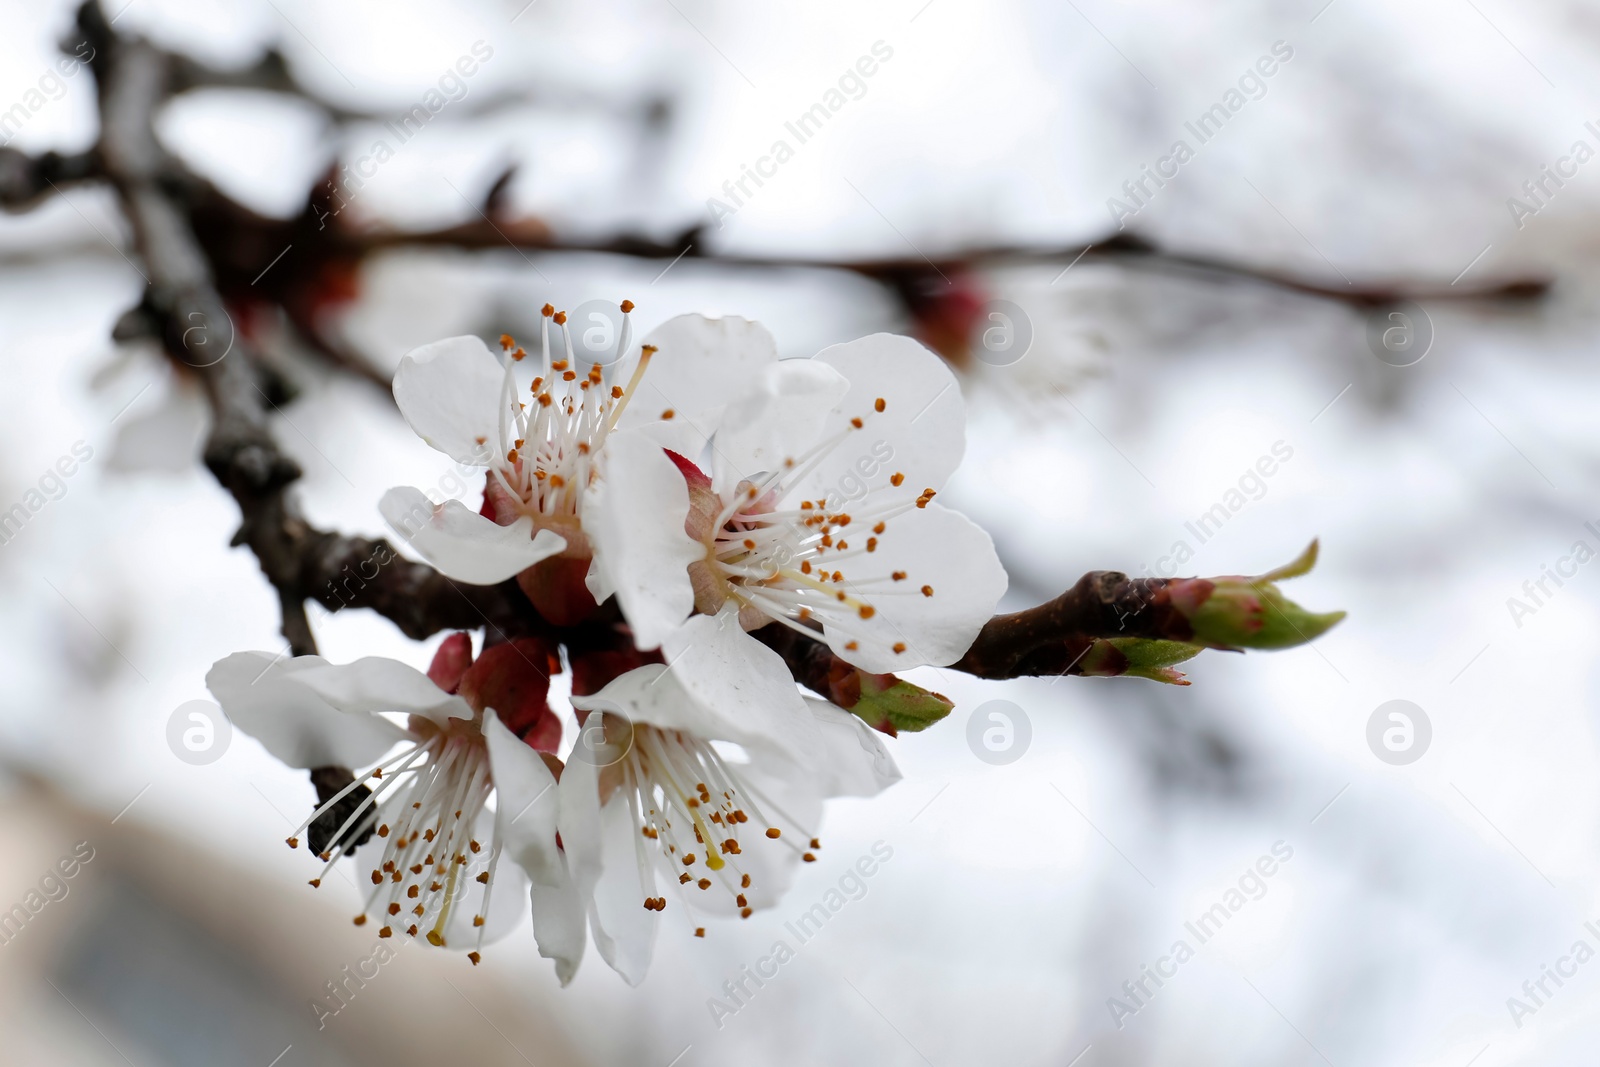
[664, 519]
[675, 571]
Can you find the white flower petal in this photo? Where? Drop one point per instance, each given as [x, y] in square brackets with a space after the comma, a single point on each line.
[261, 695]
[934, 547]
[722, 684]
[634, 517]
[559, 926]
[578, 819]
[856, 762]
[526, 804]
[374, 683]
[771, 865]
[624, 930]
[507, 896]
[782, 416]
[921, 432]
[603, 862]
[700, 366]
[450, 393]
[463, 544]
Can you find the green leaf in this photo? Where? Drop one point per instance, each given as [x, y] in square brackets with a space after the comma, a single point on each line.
[888, 701]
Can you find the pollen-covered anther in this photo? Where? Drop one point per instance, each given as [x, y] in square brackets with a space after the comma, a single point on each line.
[878, 404]
[866, 611]
[361, 920]
[506, 342]
[899, 646]
[898, 576]
[561, 318]
[474, 957]
[773, 832]
[315, 883]
[896, 478]
[294, 842]
[394, 908]
[412, 929]
[386, 932]
[699, 931]
[547, 310]
[627, 306]
[809, 858]
[927, 590]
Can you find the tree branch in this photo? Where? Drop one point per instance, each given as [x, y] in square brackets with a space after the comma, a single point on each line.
[1055, 637]
[26, 180]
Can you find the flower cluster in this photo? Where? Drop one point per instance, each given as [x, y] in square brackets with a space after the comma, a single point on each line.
[659, 509]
